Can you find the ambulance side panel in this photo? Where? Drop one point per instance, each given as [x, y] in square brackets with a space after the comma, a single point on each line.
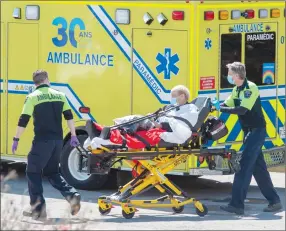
[85, 62]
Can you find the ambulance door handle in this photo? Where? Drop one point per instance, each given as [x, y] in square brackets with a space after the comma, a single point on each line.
[149, 33]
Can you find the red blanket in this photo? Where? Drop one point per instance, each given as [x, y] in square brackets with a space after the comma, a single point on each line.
[152, 136]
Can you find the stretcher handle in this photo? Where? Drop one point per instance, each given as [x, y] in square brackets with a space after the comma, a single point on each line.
[155, 114]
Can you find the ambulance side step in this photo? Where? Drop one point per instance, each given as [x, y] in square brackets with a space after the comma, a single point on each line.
[274, 156]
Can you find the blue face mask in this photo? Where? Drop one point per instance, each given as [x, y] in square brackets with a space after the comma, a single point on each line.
[173, 100]
[229, 79]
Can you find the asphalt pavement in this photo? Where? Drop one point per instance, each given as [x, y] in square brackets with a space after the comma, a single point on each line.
[213, 191]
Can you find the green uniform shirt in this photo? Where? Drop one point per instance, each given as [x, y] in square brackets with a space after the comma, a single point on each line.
[247, 96]
[46, 105]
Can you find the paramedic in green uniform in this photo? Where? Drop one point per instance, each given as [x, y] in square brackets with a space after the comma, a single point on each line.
[245, 102]
[46, 105]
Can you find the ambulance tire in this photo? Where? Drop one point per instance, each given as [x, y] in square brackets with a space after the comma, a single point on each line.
[91, 182]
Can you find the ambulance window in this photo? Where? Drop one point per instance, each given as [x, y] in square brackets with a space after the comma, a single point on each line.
[230, 52]
[260, 53]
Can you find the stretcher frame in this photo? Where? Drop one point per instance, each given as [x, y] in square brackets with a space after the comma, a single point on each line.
[151, 167]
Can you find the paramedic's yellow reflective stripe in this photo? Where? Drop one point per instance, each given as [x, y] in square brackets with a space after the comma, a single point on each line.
[245, 102]
[43, 95]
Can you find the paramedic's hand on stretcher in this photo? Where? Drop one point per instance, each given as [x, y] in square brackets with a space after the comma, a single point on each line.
[216, 104]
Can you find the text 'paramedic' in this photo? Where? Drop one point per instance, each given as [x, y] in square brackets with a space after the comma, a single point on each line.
[147, 75]
[258, 37]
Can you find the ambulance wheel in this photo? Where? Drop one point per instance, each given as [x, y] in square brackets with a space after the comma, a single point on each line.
[104, 212]
[202, 214]
[128, 215]
[69, 169]
[179, 209]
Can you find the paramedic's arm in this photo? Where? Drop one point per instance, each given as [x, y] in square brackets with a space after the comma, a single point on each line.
[25, 117]
[69, 117]
[245, 105]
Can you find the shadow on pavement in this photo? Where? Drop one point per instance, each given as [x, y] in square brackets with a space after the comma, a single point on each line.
[58, 221]
[185, 217]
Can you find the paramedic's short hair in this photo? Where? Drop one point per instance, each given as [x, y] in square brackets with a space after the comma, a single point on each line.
[39, 76]
[238, 68]
[181, 89]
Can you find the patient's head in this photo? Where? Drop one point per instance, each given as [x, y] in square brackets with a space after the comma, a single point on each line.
[181, 94]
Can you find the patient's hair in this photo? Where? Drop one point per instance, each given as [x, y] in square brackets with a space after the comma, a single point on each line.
[181, 89]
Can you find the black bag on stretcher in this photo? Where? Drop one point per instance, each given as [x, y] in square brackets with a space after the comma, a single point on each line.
[214, 128]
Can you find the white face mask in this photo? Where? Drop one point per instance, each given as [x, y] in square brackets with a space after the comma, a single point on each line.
[230, 79]
[173, 100]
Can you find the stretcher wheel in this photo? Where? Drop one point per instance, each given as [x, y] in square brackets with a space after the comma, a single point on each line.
[202, 214]
[178, 209]
[104, 211]
[128, 215]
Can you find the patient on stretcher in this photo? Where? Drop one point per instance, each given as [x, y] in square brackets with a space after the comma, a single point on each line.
[174, 126]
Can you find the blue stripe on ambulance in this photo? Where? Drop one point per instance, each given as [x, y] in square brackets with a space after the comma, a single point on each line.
[234, 132]
[1, 81]
[126, 55]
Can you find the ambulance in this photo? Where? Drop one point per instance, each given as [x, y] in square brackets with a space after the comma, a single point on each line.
[113, 59]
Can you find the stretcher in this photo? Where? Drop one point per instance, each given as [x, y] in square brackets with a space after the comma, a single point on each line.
[152, 164]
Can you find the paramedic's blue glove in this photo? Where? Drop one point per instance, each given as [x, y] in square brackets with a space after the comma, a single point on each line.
[216, 104]
[14, 146]
[74, 141]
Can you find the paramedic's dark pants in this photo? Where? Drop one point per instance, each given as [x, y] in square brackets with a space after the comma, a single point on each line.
[252, 162]
[44, 158]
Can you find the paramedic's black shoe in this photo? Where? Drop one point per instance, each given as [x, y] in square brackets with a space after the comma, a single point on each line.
[231, 209]
[36, 214]
[273, 207]
[74, 203]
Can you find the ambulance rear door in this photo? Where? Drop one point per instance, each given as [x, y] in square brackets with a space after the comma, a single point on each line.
[254, 44]
[160, 59]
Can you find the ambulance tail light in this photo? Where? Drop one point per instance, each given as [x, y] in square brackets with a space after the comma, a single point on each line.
[235, 14]
[84, 110]
[178, 15]
[263, 13]
[209, 15]
[275, 13]
[223, 14]
[249, 14]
